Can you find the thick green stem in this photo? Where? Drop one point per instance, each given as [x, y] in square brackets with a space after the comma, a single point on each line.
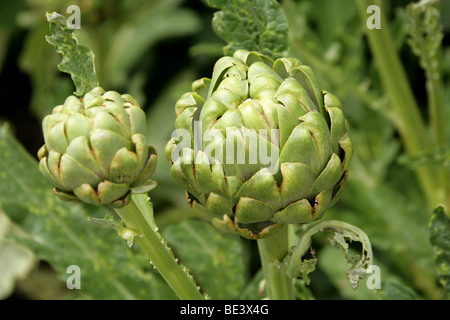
[409, 121]
[436, 105]
[160, 257]
[431, 61]
[278, 285]
[437, 121]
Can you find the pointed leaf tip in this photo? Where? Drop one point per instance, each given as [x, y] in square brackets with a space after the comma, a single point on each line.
[78, 60]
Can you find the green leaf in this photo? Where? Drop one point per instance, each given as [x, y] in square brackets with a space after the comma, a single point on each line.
[440, 240]
[396, 222]
[302, 291]
[434, 157]
[254, 289]
[16, 262]
[425, 33]
[77, 60]
[138, 31]
[60, 233]
[8, 25]
[215, 259]
[343, 234]
[259, 25]
[110, 223]
[334, 267]
[395, 290]
[425, 40]
[160, 120]
[391, 286]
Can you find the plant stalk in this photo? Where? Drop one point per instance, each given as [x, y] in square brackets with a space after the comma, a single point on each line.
[431, 63]
[409, 121]
[278, 285]
[150, 241]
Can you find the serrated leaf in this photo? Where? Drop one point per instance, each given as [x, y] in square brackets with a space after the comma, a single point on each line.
[60, 233]
[440, 240]
[77, 60]
[214, 258]
[396, 222]
[359, 262]
[425, 33]
[391, 286]
[425, 40]
[334, 267]
[304, 268]
[342, 234]
[259, 25]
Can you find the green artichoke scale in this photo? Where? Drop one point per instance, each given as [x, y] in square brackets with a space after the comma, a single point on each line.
[278, 106]
[96, 149]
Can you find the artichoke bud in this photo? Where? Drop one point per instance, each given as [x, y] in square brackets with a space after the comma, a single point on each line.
[96, 149]
[259, 145]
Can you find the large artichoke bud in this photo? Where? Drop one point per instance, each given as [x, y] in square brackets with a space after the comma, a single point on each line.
[96, 149]
[277, 107]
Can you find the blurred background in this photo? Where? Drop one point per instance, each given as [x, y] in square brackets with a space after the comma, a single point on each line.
[155, 49]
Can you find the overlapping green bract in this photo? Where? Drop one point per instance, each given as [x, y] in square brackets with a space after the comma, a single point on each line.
[252, 94]
[96, 149]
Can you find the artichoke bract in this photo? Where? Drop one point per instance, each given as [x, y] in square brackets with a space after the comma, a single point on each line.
[96, 149]
[258, 145]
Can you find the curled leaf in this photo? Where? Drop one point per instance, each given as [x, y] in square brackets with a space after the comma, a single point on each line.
[342, 234]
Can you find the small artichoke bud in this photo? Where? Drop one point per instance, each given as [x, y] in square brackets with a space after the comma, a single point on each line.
[96, 149]
[262, 107]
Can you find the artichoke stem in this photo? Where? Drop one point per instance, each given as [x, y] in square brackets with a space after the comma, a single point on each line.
[279, 286]
[158, 253]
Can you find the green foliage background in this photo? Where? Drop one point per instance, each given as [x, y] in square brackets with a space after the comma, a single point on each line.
[154, 50]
